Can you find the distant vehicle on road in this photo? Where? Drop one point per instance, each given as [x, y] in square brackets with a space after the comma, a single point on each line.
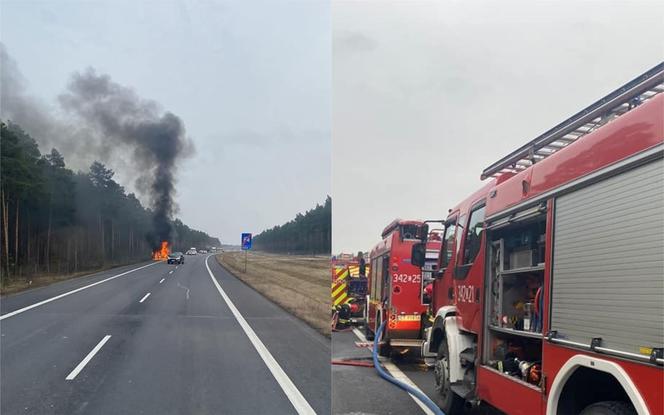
[175, 258]
[203, 251]
[191, 252]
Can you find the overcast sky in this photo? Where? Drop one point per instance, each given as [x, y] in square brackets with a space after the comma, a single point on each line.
[250, 80]
[428, 94]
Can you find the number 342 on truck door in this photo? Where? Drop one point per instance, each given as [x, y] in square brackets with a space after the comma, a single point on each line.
[416, 278]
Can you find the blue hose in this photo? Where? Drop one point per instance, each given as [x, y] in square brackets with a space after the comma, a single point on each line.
[415, 392]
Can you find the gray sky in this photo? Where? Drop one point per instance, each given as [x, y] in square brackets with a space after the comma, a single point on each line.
[427, 94]
[250, 80]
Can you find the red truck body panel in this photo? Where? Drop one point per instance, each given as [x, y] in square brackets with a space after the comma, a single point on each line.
[401, 292]
[637, 131]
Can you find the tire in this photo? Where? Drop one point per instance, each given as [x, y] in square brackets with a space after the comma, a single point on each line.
[447, 400]
[385, 350]
[609, 408]
[368, 334]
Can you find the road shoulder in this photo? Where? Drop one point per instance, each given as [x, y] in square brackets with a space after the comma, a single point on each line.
[287, 283]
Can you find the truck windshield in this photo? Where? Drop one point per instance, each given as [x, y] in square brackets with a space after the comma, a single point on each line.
[408, 231]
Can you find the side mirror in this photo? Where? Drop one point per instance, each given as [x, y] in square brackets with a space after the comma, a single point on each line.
[418, 254]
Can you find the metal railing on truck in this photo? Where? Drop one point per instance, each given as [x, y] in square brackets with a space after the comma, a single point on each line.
[615, 104]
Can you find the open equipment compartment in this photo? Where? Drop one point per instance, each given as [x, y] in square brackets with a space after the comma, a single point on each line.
[514, 296]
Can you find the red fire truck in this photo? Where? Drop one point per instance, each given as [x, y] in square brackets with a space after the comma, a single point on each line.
[397, 287]
[348, 286]
[550, 295]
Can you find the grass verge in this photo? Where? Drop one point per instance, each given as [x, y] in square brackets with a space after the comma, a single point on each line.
[299, 284]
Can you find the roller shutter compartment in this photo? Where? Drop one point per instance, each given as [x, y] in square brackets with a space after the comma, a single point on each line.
[608, 261]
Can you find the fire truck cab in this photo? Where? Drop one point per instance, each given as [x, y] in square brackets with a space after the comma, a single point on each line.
[396, 289]
[550, 298]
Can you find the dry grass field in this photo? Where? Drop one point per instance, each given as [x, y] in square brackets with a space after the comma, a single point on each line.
[299, 284]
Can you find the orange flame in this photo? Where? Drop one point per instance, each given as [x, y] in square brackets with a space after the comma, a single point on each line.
[161, 254]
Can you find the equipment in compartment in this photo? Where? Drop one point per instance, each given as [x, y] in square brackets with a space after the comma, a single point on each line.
[517, 357]
[536, 323]
[524, 247]
[357, 287]
[521, 258]
[518, 301]
[516, 275]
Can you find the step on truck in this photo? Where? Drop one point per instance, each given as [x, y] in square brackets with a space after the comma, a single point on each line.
[550, 293]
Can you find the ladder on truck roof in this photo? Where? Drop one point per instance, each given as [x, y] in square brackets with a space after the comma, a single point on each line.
[586, 121]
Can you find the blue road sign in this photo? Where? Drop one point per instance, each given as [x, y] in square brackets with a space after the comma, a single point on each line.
[246, 241]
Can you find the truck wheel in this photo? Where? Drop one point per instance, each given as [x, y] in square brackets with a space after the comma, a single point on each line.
[385, 350]
[368, 334]
[609, 408]
[449, 402]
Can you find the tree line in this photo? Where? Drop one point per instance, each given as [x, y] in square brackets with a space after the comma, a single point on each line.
[184, 238]
[54, 220]
[308, 233]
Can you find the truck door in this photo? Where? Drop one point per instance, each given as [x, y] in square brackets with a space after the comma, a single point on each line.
[443, 285]
[469, 273]
[385, 285]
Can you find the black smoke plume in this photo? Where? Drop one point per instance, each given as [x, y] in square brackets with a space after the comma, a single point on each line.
[109, 122]
[157, 140]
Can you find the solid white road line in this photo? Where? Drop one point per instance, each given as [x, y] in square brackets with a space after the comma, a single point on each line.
[57, 297]
[398, 374]
[87, 359]
[359, 335]
[294, 395]
[144, 298]
[162, 280]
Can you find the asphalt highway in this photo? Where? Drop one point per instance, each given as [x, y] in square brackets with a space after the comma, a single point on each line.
[360, 390]
[154, 338]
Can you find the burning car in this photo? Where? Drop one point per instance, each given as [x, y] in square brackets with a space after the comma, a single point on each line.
[161, 253]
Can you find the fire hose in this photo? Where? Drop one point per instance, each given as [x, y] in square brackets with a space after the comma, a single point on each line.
[414, 392]
[350, 362]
